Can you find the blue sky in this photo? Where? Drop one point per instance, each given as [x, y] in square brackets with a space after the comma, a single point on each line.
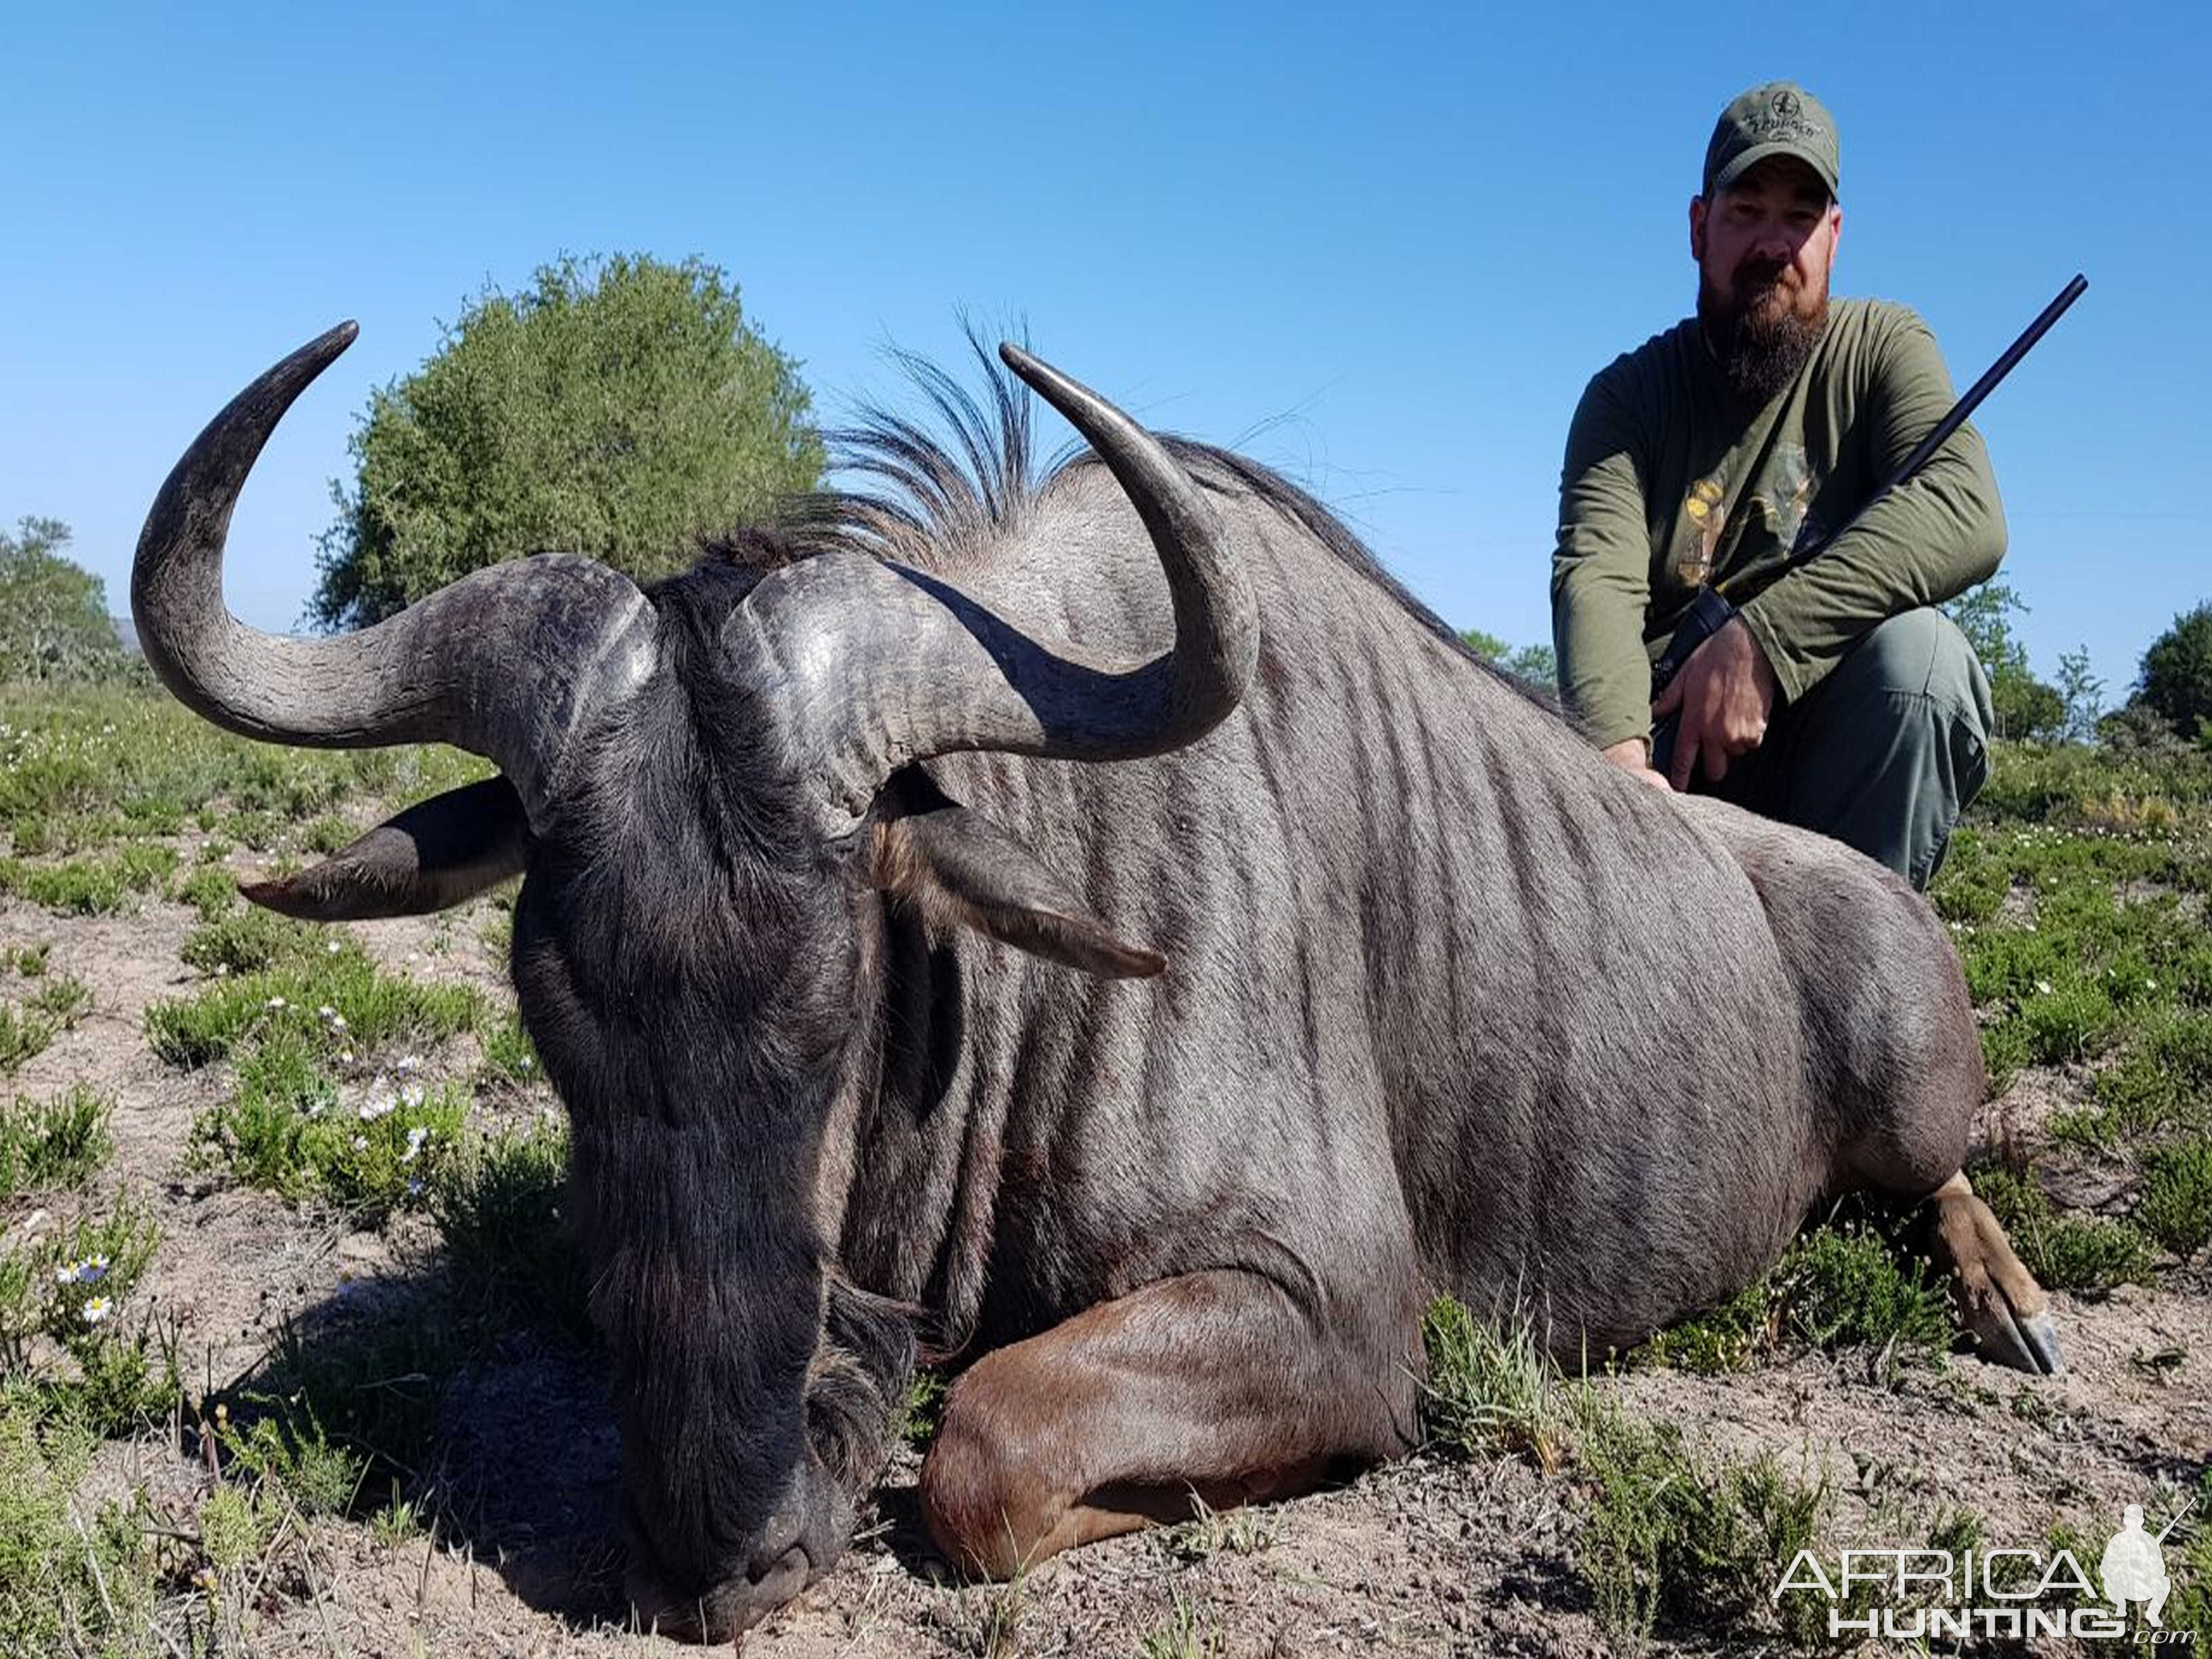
[1380, 247]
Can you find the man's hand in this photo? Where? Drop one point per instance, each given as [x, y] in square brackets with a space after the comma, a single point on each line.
[1633, 756]
[1724, 694]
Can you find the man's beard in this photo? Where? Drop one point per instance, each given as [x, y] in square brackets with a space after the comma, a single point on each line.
[1760, 339]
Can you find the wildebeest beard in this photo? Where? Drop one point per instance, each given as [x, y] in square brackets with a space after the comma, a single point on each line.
[1760, 339]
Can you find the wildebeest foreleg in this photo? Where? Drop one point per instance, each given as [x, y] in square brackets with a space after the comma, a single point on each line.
[1999, 1301]
[1212, 1384]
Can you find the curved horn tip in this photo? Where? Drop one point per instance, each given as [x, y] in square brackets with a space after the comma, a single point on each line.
[1063, 391]
[1041, 375]
[324, 348]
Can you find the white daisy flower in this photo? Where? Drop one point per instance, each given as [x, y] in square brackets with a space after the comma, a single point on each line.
[96, 1308]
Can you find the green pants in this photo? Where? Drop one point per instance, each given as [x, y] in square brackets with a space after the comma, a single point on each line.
[1883, 754]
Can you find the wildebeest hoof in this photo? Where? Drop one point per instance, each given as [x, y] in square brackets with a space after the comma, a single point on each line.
[2027, 1342]
[2002, 1306]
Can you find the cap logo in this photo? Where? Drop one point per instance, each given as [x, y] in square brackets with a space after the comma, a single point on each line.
[1783, 118]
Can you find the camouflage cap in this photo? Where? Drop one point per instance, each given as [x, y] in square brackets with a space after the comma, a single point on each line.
[1779, 118]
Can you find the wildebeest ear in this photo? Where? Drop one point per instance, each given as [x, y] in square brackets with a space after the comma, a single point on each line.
[959, 868]
[437, 852]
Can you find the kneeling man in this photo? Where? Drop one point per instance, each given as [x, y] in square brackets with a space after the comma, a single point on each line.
[1839, 699]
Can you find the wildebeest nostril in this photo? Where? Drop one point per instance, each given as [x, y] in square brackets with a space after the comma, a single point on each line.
[784, 1579]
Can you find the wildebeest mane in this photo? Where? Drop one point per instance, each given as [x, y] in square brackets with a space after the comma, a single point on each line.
[935, 502]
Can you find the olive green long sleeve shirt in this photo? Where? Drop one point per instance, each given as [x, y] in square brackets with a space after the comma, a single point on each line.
[1670, 481]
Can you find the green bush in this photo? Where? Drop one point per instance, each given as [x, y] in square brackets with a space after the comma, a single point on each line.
[212, 892]
[1845, 1287]
[64, 1590]
[284, 1131]
[2176, 1195]
[57, 1142]
[616, 408]
[500, 1213]
[1694, 1542]
[53, 614]
[2176, 683]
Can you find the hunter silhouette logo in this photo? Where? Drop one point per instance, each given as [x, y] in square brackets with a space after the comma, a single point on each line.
[1997, 1591]
[2134, 1566]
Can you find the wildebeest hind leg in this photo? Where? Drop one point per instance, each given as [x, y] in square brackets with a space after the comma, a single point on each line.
[1999, 1301]
[1211, 1384]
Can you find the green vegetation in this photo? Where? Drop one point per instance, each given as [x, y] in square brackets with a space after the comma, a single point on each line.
[53, 614]
[1694, 1541]
[2025, 706]
[922, 1411]
[509, 1057]
[1535, 665]
[1184, 1634]
[97, 886]
[63, 1298]
[616, 408]
[1837, 1287]
[1491, 1388]
[341, 1000]
[2176, 1195]
[67, 1583]
[2086, 1255]
[283, 1131]
[57, 1142]
[84, 767]
[500, 1213]
[1849, 1287]
[2175, 684]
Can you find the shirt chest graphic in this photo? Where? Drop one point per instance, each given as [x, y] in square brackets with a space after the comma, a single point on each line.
[1715, 532]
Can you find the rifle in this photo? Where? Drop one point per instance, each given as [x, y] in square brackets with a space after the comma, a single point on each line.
[1710, 611]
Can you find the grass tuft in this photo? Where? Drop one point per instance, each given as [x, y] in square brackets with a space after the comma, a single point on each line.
[502, 1214]
[57, 1142]
[1670, 1536]
[2176, 1208]
[1490, 1389]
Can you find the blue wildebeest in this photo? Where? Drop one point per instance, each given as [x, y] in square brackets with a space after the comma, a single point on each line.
[1158, 1097]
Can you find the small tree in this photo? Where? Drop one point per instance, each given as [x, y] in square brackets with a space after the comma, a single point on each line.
[53, 613]
[2025, 705]
[2083, 694]
[2177, 672]
[618, 409]
[1535, 664]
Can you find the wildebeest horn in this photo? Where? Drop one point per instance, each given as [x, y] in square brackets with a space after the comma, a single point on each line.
[891, 665]
[503, 662]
